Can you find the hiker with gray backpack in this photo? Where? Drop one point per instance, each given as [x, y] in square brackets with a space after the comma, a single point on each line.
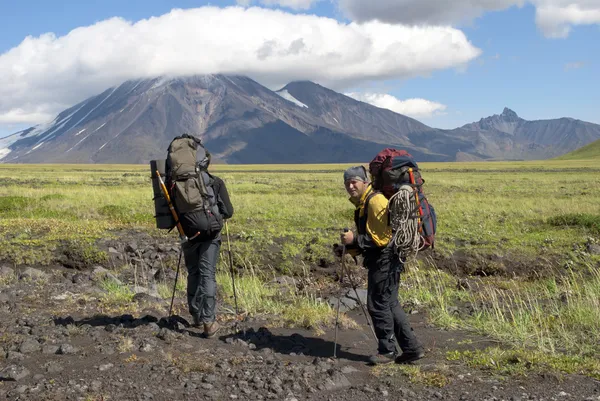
[201, 204]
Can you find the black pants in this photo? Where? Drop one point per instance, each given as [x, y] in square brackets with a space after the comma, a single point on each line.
[201, 262]
[389, 320]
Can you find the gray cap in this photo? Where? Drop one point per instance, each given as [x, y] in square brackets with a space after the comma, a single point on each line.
[356, 173]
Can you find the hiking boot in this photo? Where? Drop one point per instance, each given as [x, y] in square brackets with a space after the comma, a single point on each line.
[210, 329]
[408, 357]
[197, 323]
[381, 359]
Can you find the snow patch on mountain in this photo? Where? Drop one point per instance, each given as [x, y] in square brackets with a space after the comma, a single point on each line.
[287, 96]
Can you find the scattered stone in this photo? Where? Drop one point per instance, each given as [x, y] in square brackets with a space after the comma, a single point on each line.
[336, 381]
[29, 346]
[147, 296]
[362, 295]
[53, 367]
[14, 356]
[80, 278]
[105, 367]
[592, 249]
[99, 273]
[6, 271]
[349, 369]
[32, 274]
[131, 247]
[13, 373]
[67, 349]
[146, 346]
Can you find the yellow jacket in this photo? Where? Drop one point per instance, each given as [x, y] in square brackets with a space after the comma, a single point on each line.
[377, 230]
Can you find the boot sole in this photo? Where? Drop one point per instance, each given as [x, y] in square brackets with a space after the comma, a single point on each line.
[412, 358]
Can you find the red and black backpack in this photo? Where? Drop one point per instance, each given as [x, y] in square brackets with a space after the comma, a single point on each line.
[393, 168]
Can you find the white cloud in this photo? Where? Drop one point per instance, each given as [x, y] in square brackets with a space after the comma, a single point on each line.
[416, 108]
[293, 4]
[49, 72]
[429, 12]
[574, 66]
[556, 17]
[19, 116]
[553, 17]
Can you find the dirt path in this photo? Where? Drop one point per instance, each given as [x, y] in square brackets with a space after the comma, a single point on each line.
[57, 345]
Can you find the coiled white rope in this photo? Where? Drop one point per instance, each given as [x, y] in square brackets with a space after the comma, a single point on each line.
[404, 219]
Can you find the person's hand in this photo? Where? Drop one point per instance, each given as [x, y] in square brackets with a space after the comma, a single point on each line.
[338, 250]
[347, 237]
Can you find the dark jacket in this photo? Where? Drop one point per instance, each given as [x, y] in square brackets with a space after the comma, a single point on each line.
[224, 203]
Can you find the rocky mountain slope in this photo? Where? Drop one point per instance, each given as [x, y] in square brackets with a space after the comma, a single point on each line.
[241, 121]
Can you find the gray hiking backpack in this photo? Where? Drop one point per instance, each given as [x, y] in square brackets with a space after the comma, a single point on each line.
[191, 188]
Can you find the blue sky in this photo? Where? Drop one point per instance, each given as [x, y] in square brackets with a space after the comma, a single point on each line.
[520, 65]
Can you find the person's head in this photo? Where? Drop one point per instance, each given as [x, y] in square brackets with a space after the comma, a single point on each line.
[356, 181]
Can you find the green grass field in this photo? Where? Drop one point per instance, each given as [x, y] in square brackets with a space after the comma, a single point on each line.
[520, 232]
[590, 151]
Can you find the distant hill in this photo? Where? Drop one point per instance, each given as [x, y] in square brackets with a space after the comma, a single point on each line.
[590, 151]
[241, 121]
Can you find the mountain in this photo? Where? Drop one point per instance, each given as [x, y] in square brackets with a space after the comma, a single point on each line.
[241, 121]
[521, 139]
[589, 151]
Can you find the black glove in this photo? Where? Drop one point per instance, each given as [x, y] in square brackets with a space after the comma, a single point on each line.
[338, 250]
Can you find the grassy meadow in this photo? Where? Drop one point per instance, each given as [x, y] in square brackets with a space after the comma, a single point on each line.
[514, 256]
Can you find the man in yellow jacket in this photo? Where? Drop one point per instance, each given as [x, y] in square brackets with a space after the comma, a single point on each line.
[373, 234]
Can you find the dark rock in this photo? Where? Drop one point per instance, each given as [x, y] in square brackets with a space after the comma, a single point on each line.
[105, 367]
[131, 247]
[14, 356]
[592, 249]
[106, 349]
[67, 349]
[210, 378]
[6, 271]
[337, 381]
[99, 273]
[50, 349]
[13, 373]
[29, 346]
[80, 278]
[53, 367]
[362, 295]
[33, 274]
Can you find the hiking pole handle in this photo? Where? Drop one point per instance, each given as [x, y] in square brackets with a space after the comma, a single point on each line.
[163, 187]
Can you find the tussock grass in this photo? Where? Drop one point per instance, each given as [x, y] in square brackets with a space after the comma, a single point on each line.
[522, 362]
[585, 220]
[289, 306]
[553, 316]
[117, 295]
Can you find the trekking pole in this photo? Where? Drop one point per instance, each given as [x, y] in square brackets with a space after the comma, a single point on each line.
[337, 314]
[175, 285]
[237, 313]
[362, 306]
[182, 237]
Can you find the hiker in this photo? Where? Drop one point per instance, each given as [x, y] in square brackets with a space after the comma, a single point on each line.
[202, 205]
[384, 267]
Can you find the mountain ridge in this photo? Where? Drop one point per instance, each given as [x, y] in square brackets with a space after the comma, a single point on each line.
[241, 121]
